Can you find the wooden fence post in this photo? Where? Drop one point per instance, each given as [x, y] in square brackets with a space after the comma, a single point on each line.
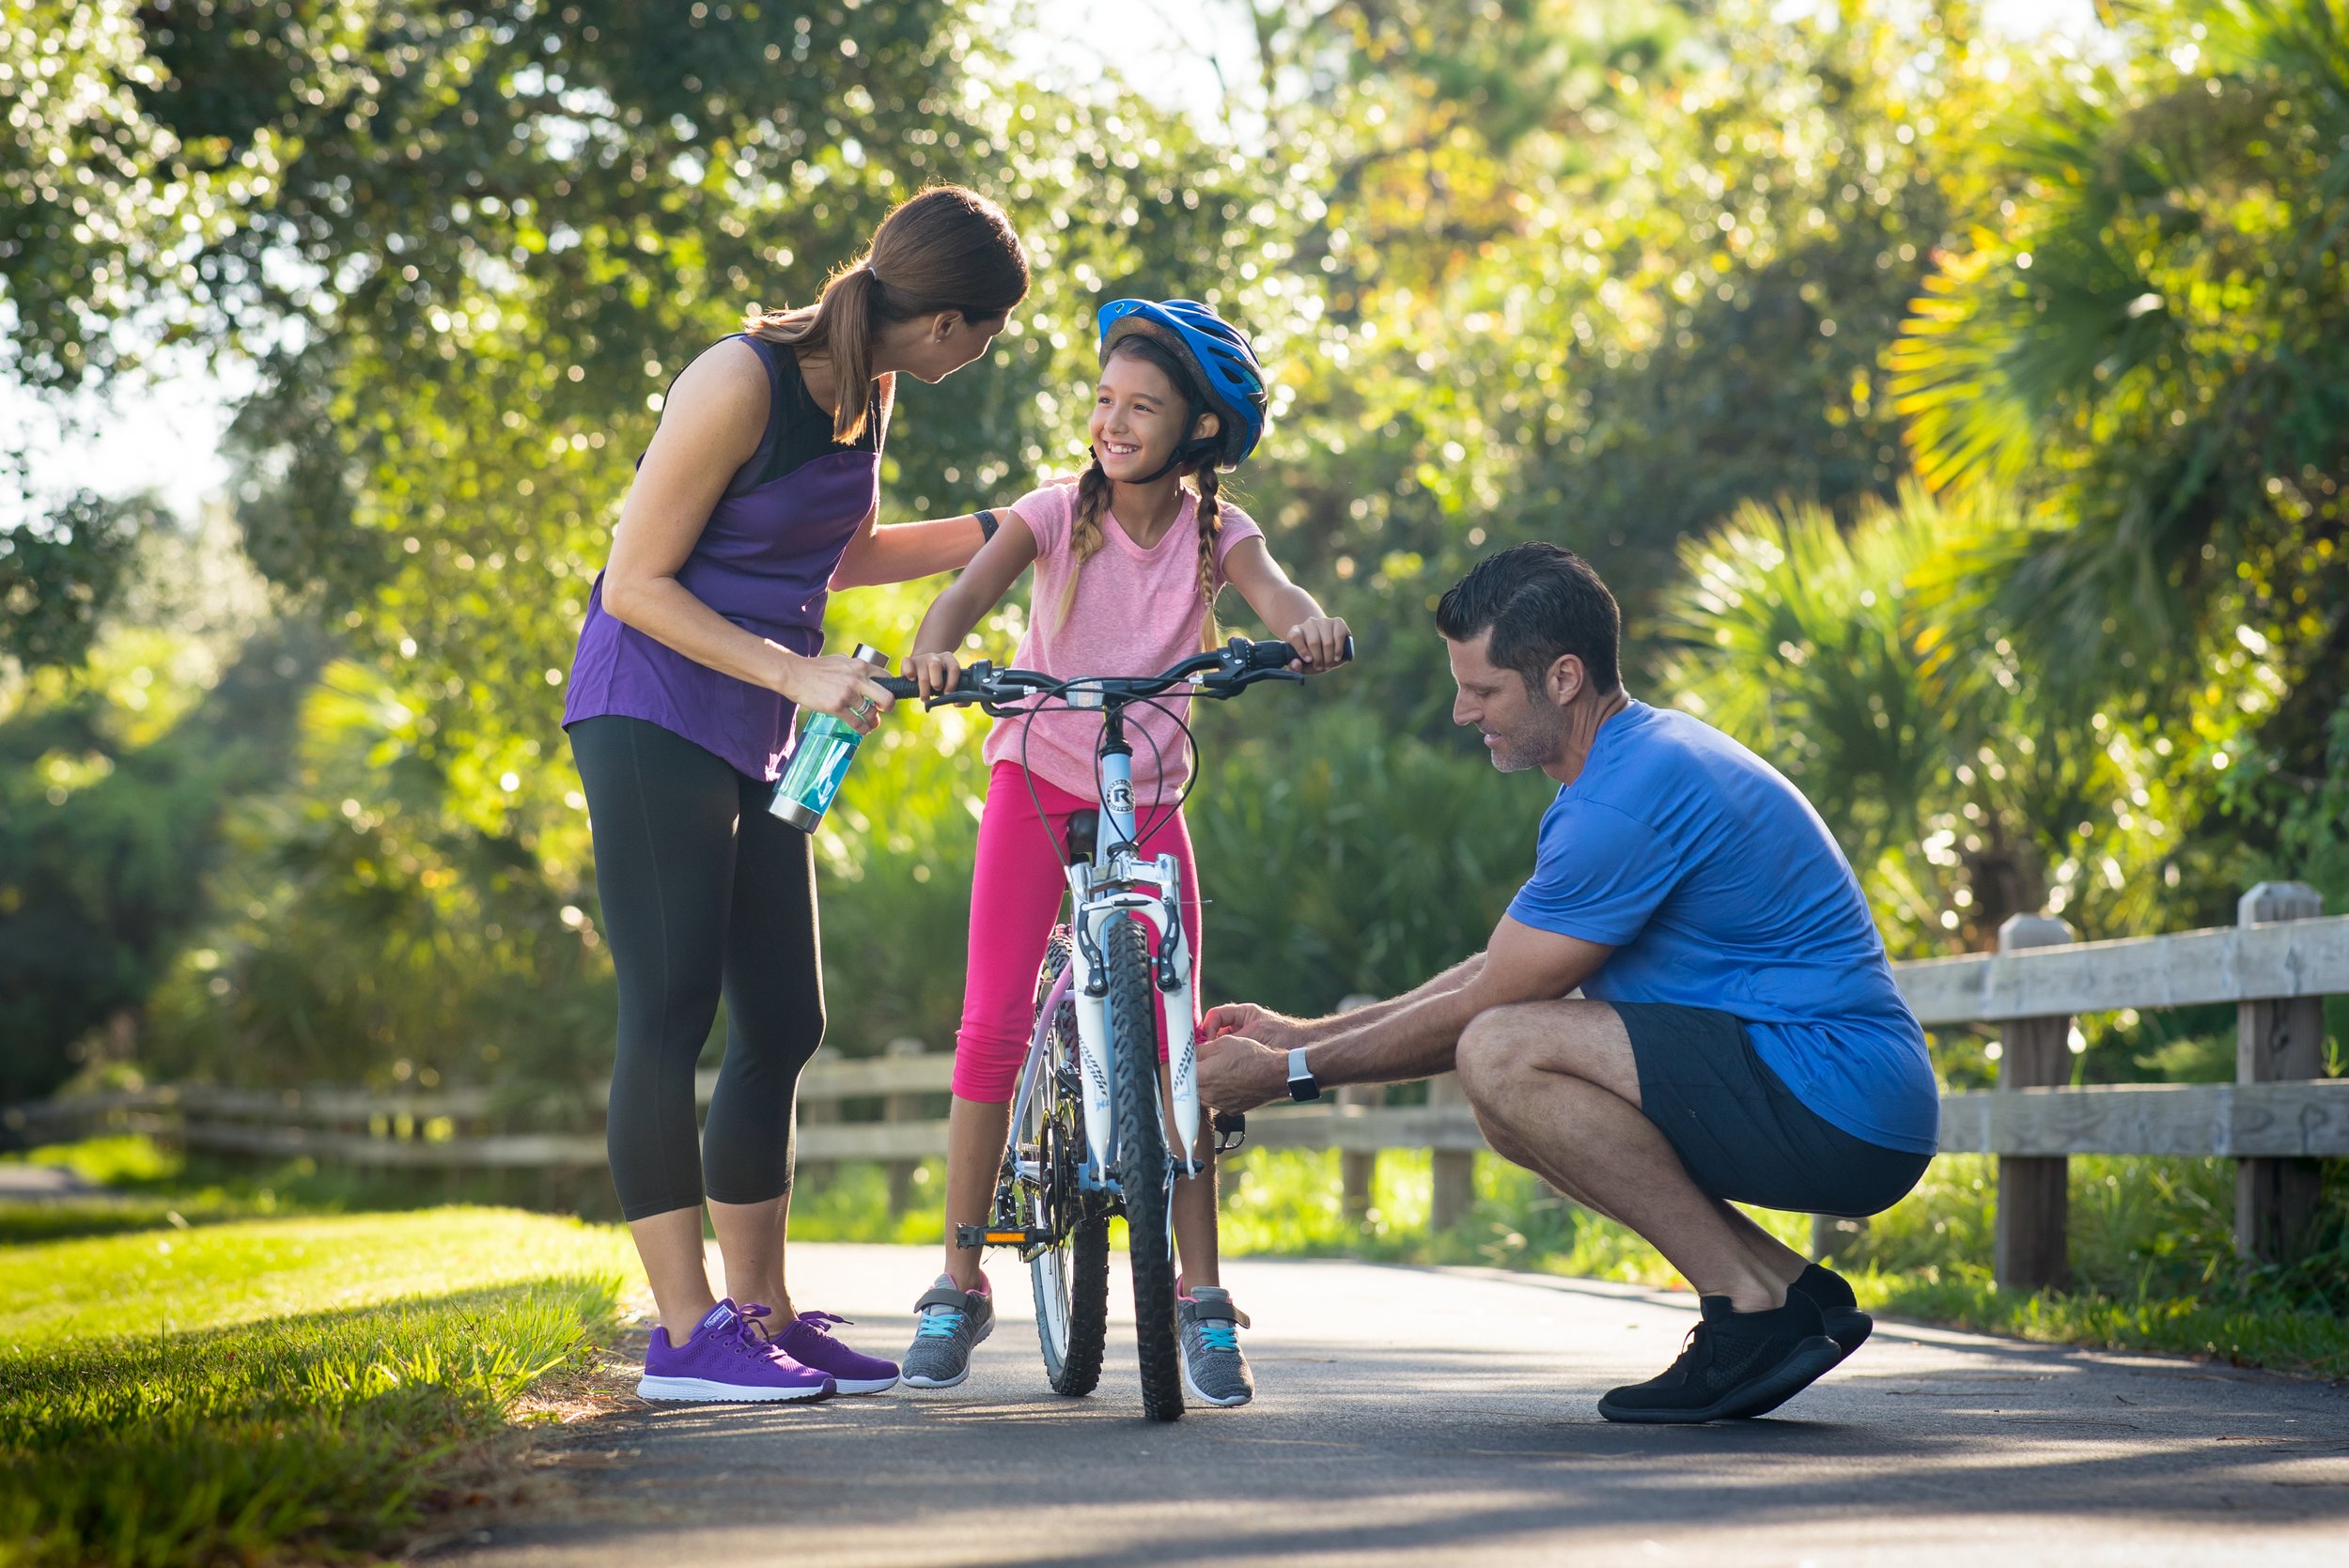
[901, 1107]
[1357, 1170]
[2283, 1040]
[1456, 1168]
[2032, 1250]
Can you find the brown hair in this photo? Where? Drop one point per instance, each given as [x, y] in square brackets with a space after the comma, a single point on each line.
[1093, 486]
[945, 249]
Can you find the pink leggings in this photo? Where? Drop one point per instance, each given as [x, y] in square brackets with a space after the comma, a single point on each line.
[1016, 890]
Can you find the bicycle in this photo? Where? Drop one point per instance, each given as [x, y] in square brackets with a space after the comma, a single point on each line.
[1088, 1132]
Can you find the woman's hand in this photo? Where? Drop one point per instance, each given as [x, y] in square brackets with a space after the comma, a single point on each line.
[837, 685]
[934, 673]
[1320, 642]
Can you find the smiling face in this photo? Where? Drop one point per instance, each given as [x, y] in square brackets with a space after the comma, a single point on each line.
[1522, 729]
[932, 348]
[1138, 418]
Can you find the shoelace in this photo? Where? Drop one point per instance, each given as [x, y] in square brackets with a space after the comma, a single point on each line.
[748, 1341]
[1218, 1334]
[819, 1323]
[939, 1323]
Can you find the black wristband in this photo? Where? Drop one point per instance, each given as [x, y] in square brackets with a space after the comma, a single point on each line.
[987, 525]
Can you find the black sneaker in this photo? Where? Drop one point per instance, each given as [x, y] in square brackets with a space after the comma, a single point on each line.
[1734, 1364]
[1846, 1325]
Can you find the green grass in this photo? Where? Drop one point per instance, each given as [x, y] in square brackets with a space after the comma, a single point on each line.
[252, 1391]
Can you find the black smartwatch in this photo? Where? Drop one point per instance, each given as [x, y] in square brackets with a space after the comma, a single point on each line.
[988, 525]
[1303, 1086]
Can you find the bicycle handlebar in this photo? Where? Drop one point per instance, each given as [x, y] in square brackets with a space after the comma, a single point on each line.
[1227, 671]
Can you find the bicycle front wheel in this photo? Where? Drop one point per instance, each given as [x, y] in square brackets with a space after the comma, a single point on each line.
[1144, 1175]
[1070, 1277]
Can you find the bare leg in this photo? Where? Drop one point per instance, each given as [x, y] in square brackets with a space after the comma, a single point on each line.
[1556, 1089]
[1772, 1255]
[1194, 1216]
[749, 1240]
[975, 1134]
[670, 1244]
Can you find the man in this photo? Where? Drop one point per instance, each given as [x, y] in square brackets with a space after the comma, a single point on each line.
[1739, 1036]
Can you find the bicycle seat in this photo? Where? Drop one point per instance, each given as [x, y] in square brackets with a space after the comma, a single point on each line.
[1085, 833]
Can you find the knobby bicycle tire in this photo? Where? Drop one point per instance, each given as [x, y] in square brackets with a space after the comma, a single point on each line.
[1070, 1279]
[1141, 1166]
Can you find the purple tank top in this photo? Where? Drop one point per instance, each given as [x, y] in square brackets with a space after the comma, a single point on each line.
[763, 562]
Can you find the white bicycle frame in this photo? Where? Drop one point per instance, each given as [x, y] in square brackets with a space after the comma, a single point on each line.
[1118, 880]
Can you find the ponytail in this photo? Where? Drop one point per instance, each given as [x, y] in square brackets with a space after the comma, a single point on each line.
[947, 249]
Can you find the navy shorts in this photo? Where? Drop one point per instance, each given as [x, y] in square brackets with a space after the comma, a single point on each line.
[1741, 1132]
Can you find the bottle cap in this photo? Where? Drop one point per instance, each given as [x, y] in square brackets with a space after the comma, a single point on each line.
[872, 655]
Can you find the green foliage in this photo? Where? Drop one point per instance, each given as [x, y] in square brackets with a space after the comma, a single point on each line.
[1829, 649]
[60, 573]
[1338, 856]
[1681, 286]
[114, 774]
[310, 1384]
[2152, 331]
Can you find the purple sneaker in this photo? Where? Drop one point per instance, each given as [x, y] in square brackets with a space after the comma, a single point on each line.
[807, 1340]
[725, 1359]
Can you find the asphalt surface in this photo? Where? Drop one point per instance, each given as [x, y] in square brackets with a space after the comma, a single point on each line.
[1447, 1416]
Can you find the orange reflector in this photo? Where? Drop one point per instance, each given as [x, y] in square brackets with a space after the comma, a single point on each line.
[1013, 1236]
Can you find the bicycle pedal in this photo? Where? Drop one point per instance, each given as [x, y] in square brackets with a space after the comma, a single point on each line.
[1231, 1130]
[988, 1235]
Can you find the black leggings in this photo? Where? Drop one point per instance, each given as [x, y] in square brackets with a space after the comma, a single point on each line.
[703, 893]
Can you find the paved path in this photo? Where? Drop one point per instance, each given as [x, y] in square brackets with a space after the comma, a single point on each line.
[1446, 1416]
[36, 1184]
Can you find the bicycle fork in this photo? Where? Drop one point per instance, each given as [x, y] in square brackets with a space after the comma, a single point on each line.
[1160, 906]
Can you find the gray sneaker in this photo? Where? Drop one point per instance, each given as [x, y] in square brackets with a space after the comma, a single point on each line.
[1207, 1329]
[948, 1325]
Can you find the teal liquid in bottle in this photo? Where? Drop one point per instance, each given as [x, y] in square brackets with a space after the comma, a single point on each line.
[827, 745]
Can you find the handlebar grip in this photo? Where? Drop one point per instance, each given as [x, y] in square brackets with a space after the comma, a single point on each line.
[898, 685]
[1275, 656]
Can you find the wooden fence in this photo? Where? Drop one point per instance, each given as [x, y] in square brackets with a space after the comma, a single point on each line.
[2277, 1120]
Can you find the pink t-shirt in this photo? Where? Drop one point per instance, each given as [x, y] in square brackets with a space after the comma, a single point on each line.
[1137, 612]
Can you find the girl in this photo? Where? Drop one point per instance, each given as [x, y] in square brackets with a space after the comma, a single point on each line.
[1128, 564]
[758, 492]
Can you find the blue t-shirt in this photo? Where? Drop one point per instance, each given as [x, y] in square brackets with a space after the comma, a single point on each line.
[1718, 886]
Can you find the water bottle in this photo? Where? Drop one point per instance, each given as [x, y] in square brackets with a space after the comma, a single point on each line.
[827, 746]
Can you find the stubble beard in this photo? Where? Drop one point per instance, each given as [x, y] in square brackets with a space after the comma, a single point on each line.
[1530, 745]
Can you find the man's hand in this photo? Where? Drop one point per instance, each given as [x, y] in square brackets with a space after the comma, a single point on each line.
[1237, 1073]
[1261, 1024]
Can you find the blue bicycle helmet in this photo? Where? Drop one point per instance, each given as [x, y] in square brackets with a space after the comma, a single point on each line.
[1216, 352]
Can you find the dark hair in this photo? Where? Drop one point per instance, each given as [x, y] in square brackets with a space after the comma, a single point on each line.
[946, 249]
[1093, 486]
[1542, 602]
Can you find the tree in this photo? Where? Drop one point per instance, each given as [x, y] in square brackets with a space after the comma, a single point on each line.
[2154, 337]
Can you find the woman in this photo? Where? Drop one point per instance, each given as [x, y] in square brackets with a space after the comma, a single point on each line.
[759, 491]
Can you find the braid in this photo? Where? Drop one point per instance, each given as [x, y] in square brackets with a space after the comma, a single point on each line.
[1211, 530]
[1084, 536]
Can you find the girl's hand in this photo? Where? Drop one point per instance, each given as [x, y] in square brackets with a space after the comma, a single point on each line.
[1319, 642]
[934, 673]
[837, 685]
